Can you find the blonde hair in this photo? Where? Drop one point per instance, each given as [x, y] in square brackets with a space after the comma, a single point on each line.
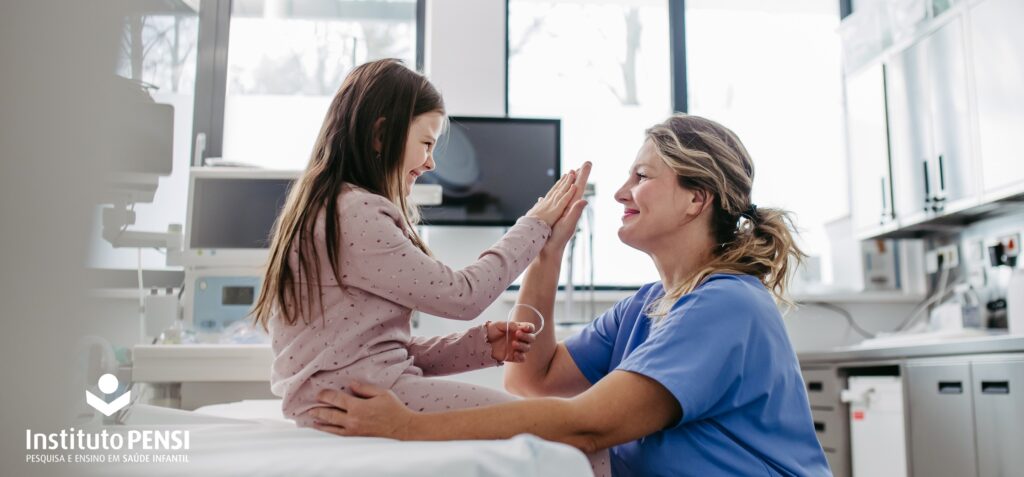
[750, 240]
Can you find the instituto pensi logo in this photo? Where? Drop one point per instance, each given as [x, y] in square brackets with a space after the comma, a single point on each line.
[108, 384]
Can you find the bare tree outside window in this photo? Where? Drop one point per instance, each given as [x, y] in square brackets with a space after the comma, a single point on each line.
[286, 60]
[603, 68]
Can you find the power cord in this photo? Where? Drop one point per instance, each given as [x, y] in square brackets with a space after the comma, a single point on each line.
[845, 314]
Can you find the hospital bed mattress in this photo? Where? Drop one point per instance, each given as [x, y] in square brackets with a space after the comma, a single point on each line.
[252, 438]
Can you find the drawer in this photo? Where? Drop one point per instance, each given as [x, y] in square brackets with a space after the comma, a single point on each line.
[832, 428]
[823, 387]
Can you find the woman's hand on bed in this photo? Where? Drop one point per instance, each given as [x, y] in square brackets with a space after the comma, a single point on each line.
[369, 411]
[511, 346]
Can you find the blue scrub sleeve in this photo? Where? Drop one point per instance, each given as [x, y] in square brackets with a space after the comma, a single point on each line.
[592, 347]
[698, 352]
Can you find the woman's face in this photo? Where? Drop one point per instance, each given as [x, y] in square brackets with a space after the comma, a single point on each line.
[419, 146]
[656, 206]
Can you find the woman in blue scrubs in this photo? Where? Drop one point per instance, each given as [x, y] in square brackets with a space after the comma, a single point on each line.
[692, 375]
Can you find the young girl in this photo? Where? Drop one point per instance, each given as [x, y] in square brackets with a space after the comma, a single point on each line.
[347, 267]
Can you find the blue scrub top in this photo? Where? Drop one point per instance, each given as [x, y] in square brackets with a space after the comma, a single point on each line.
[724, 354]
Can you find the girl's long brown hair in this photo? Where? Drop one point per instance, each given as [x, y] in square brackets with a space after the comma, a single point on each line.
[709, 157]
[344, 152]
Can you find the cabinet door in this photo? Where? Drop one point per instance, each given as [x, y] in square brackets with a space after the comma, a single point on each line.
[868, 148]
[941, 420]
[952, 163]
[999, 416]
[910, 132]
[997, 49]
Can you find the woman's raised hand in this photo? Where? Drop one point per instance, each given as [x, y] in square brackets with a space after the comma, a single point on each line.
[552, 206]
[565, 227]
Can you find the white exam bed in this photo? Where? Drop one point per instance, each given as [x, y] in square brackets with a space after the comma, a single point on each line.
[252, 438]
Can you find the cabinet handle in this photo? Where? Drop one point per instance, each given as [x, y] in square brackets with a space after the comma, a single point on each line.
[819, 426]
[942, 176]
[940, 195]
[951, 387]
[927, 187]
[815, 386]
[885, 202]
[995, 387]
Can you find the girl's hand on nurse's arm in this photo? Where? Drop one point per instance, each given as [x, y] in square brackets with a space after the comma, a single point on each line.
[552, 206]
[510, 348]
[564, 229]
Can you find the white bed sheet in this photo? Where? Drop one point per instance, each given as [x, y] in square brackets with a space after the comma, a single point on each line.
[252, 438]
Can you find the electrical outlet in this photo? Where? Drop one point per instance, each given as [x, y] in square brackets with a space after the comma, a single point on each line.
[950, 258]
[1005, 250]
[1011, 244]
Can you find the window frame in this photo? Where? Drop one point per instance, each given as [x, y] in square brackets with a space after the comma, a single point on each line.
[212, 69]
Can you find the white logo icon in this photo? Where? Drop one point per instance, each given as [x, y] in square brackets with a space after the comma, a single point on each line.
[107, 384]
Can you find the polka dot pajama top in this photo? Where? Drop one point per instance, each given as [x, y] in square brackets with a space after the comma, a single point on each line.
[363, 332]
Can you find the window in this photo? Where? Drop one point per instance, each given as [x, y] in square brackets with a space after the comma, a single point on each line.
[771, 72]
[286, 60]
[159, 51]
[604, 69]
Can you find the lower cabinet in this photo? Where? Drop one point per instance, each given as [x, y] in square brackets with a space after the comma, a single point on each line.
[999, 416]
[967, 416]
[941, 421]
[964, 414]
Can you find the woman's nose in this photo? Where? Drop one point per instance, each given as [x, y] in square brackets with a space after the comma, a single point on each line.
[430, 162]
[622, 195]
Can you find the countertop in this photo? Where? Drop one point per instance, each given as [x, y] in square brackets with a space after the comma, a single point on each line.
[933, 348]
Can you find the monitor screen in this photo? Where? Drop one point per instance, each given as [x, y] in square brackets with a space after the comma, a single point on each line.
[492, 170]
[235, 213]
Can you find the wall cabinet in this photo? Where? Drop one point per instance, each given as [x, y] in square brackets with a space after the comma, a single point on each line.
[929, 125]
[868, 144]
[997, 49]
[954, 106]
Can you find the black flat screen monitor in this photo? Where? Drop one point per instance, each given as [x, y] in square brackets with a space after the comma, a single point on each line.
[492, 170]
[235, 213]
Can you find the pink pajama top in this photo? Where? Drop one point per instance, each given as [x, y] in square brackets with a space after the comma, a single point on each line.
[363, 332]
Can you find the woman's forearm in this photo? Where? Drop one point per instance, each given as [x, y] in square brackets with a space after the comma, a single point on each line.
[553, 419]
[540, 285]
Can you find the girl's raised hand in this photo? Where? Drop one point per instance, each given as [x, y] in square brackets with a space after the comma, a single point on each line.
[551, 207]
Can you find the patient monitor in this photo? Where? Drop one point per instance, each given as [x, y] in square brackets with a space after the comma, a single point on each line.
[231, 214]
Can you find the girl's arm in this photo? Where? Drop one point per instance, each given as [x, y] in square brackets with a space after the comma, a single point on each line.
[476, 348]
[623, 407]
[379, 258]
[454, 353]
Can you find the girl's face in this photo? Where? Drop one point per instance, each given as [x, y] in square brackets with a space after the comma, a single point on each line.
[656, 206]
[419, 146]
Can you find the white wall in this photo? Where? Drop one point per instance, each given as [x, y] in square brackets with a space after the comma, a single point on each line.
[465, 54]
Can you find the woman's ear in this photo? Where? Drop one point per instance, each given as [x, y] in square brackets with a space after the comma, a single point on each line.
[701, 201]
[378, 135]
